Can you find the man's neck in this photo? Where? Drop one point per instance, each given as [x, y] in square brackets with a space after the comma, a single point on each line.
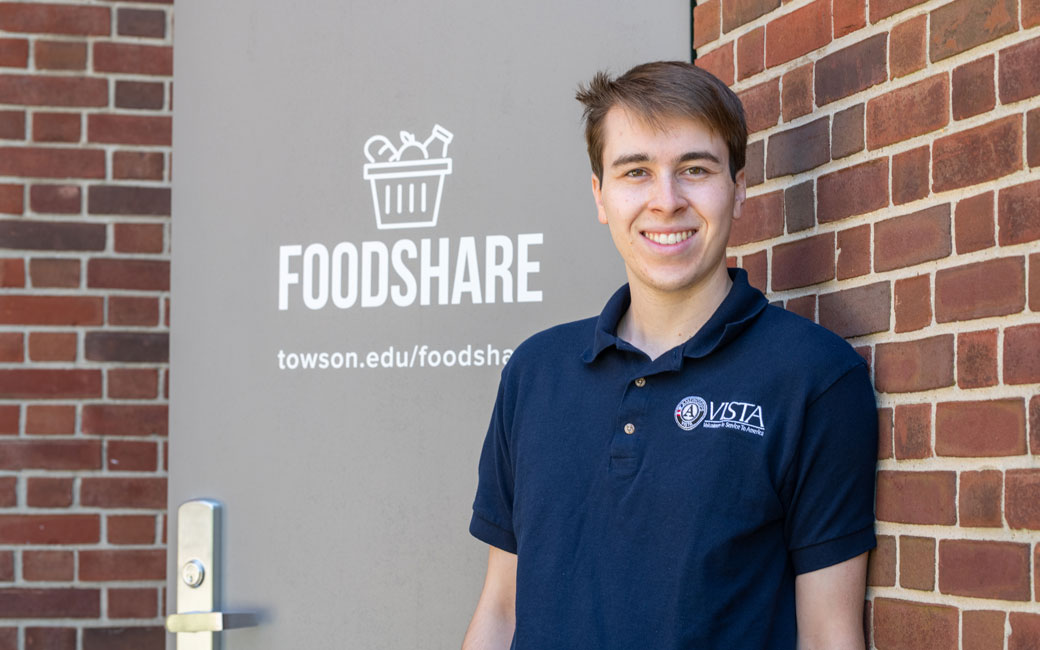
[658, 321]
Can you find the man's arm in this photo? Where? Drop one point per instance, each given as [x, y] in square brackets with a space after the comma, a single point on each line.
[495, 618]
[829, 606]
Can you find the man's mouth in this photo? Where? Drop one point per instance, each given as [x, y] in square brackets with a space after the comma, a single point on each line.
[669, 238]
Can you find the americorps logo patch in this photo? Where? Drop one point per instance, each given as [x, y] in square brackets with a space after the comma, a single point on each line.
[692, 411]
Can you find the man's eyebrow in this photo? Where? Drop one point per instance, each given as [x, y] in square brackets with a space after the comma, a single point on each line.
[699, 155]
[629, 158]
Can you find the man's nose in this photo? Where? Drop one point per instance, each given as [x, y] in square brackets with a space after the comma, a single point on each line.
[667, 195]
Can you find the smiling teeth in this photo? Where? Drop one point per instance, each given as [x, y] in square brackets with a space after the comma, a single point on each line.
[668, 238]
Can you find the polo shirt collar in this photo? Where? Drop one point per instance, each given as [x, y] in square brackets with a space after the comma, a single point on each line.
[741, 305]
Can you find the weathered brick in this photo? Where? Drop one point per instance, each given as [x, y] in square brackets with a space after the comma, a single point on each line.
[706, 25]
[132, 603]
[853, 252]
[907, 625]
[50, 454]
[144, 165]
[1023, 498]
[124, 638]
[964, 24]
[10, 416]
[12, 125]
[50, 310]
[799, 149]
[802, 31]
[984, 569]
[977, 359]
[847, 132]
[128, 347]
[973, 91]
[881, 9]
[1018, 214]
[910, 175]
[1025, 631]
[854, 190]
[63, 199]
[1034, 281]
[754, 163]
[52, 346]
[50, 419]
[913, 431]
[50, 603]
[762, 218]
[128, 310]
[738, 12]
[990, 288]
[1019, 73]
[133, 383]
[60, 55]
[129, 129]
[908, 112]
[973, 223]
[44, 492]
[881, 563]
[849, 16]
[980, 499]
[131, 456]
[1033, 137]
[49, 529]
[147, 493]
[52, 162]
[128, 200]
[122, 564]
[50, 90]
[796, 95]
[908, 47]
[761, 105]
[145, 95]
[147, 23]
[44, 566]
[910, 366]
[12, 273]
[130, 529]
[125, 419]
[1030, 15]
[803, 262]
[916, 497]
[804, 306]
[1022, 354]
[46, 18]
[58, 272]
[913, 303]
[913, 238]
[980, 429]
[11, 347]
[857, 311]
[133, 59]
[982, 630]
[750, 53]
[917, 563]
[14, 52]
[147, 275]
[51, 638]
[719, 62]
[851, 69]
[977, 155]
[34, 383]
[52, 235]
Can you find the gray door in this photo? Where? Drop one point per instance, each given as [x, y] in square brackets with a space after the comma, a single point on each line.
[374, 202]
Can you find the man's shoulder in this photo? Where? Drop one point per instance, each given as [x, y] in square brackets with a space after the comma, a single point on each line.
[555, 343]
[806, 344]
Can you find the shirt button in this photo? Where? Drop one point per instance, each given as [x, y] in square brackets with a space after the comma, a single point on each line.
[630, 428]
[641, 382]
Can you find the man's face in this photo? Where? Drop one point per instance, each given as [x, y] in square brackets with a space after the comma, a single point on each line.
[668, 199]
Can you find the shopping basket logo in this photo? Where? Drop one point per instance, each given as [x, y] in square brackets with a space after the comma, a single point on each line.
[406, 182]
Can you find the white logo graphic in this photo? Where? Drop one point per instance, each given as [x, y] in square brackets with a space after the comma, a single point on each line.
[406, 182]
[740, 416]
[690, 412]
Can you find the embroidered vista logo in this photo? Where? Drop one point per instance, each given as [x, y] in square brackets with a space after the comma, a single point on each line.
[693, 411]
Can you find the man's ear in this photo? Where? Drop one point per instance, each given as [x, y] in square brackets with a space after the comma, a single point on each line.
[739, 194]
[597, 193]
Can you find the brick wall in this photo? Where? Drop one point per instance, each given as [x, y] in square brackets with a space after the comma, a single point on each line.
[894, 199]
[85, 111]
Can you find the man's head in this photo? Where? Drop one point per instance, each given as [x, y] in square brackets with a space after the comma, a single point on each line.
[659, 91]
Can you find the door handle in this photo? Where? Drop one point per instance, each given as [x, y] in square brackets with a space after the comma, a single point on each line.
[198, 620]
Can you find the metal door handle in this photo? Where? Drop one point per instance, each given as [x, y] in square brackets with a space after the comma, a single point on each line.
[209, 621]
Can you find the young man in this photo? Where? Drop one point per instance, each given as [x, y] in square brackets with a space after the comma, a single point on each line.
[695, 467]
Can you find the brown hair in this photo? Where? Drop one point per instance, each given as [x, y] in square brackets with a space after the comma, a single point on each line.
[659, 90]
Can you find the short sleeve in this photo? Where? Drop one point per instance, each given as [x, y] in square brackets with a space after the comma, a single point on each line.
[492, 520]
[830, 487]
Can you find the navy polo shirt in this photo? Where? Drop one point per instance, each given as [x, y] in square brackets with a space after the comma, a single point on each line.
[671, 503]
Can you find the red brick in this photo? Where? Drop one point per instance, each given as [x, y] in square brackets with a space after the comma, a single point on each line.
[984, 569]
[1018, 214]
[132, 603]
[913, 431]
[1034, 281]
[977, 359]
[854, 190]
[50, 90]
[980, 429]
[10, 415]
[49, 529]
[912, 239]
[60, 55]
[977, 155]
[48, 419]
[125, 419]
[14, 52]
[852, 69]
[907, 112]
[973, 223]
[149, 493]
[719, 62]
[799, 32]
[910, 175]
[7, 568]
[133, 383]
[50, 310]
[1033, 136]
[885, 433]
[881, 563]
[144, 165]
[881, 9]
[762, 218]
[980, 499]
[147, 564]
[761, 105]
[45, 492]
[1023, 498]
[913, 303]
[124, 638]
[11, 201]
[804, 306]
[910, 366]
[40, 566]
[799, 149]
[50, 638]
[12, 273]
[1030, 15]
[906, 625]
[31, 234]
[64, 199]
[797, 92]
[1025, 631]
[8, 492]
[124, 310]
[148, 238]
[11, 347]
[131, 456]
[52, 162]
[858, 311]
[917, 563]
[982, 630]
[131, 529]
[56, 127]
[847, 132]
[50, 603]
[44, 18]
[849, 15]
[750, 53]
[145, 275]
[50, 454]
[1022, 354]
[129, 129]
[803, 262]
[129, 200]
[964, 24]
[853, 252]
[148, 23]
[33, 383]
[990, 288]
[52, 346]
[757, 269]
[127, 346]
[133, 59]
[738, 12]
[916, 497]
[140, 95]
[706, 22]
[59, 272]
[12, 125]
[973, 88]
[1019, 73]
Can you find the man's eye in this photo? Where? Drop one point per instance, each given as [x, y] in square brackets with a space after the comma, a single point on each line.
[696, 171]
[635, 172]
